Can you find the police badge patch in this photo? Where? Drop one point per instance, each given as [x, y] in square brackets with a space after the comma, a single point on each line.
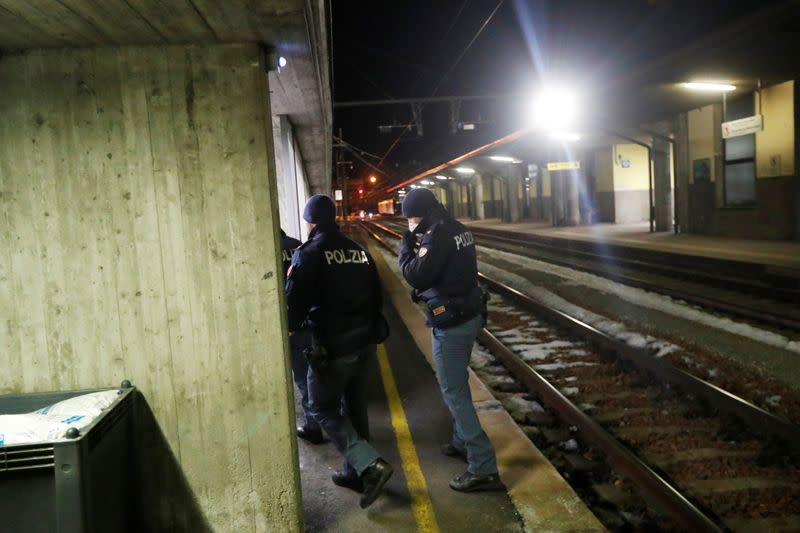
[422, 252]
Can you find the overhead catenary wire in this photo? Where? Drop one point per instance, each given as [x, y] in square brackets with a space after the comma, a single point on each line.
[447, 74]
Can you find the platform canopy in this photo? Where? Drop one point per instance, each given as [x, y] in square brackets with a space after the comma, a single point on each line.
[295, 29]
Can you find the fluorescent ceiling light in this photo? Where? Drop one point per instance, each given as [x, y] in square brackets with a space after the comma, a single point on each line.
[504, 159]
[565, 136]
[704, 86]
[465, 170]
[415, 186]
[426, 182]
[442, 177]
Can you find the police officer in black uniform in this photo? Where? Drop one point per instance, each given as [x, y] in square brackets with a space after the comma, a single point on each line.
[333, 288]
[299, 342]
[443, 270]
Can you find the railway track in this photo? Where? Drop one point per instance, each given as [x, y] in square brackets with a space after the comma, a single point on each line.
[699, 457]
[765, 298]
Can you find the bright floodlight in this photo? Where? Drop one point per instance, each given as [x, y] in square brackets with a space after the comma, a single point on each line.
[555, 108]
[465, 170]
[440, 177]
[714, 87]
[565, 136]
[281, 61]
[373, 179]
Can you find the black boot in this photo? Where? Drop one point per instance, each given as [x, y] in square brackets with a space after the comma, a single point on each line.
[469, 482]
[343, 479]
[451, 451]
[314, 436]
[374, 478]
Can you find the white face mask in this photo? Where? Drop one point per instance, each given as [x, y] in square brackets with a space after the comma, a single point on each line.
[412, 226]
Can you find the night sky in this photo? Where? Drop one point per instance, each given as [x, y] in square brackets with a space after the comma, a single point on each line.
[408, 48]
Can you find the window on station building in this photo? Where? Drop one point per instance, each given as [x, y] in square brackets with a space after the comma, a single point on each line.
[740, 155]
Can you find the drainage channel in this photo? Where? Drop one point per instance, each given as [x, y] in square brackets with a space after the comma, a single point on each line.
[694, 469]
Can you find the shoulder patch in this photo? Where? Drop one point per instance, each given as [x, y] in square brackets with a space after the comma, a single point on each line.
[423, 251]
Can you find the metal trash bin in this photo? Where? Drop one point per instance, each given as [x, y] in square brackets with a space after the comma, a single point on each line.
[78, 485]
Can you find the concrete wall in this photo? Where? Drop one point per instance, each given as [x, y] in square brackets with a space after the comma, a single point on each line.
[703, 125]
[631, 187]
[604, 185]
[138, 240]
[775, 143]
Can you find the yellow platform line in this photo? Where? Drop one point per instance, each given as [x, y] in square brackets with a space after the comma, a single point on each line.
[420, 498]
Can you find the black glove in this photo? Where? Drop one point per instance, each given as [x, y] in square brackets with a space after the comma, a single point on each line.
[410, 239]
[317, 357]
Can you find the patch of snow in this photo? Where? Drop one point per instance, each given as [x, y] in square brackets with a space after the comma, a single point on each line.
[773, 401]
[535, 352]
[570, 445]
[610, 327]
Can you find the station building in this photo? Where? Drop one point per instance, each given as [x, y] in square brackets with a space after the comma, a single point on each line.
[675, 174]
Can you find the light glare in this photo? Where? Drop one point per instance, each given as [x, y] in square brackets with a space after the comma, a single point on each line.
[565, 136]
[705, 86]
[281, 61]
[465, 170]
[555, 108]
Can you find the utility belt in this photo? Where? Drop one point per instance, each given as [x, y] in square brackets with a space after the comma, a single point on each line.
[450, 311]
[322, 352]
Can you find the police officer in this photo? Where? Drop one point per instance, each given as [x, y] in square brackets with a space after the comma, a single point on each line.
[333, 288]
[299, 341]
[443, 271]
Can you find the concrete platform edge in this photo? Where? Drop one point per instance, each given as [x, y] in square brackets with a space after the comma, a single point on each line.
[543, 499]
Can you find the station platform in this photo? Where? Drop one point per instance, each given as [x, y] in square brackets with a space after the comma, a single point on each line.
[408, 422]
[782, 254]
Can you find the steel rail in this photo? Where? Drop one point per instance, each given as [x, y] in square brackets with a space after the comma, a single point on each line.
[654, 489]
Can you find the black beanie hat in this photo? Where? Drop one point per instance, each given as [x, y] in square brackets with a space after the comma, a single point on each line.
[320, 209]
[418, 203]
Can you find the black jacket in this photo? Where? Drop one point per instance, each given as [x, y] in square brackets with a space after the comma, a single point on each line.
[333, 288]
[445, 264]
[288, 246]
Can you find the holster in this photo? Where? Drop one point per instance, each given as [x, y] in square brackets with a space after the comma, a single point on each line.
[317, 357]
[446, 312]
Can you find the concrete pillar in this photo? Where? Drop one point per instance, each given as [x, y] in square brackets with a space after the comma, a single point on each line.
[572, 179]
[477, 197]
[511, 201]
[682, 173]
[454, 199]
[146, 175]
[662, 187]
